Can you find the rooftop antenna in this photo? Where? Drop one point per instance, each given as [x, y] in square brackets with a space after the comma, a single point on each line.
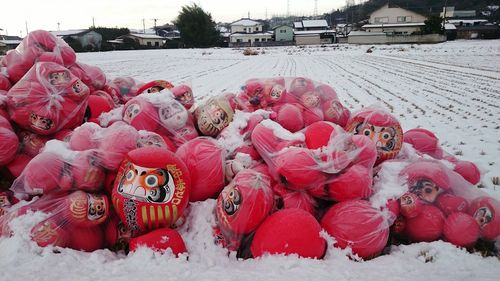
[248, 14]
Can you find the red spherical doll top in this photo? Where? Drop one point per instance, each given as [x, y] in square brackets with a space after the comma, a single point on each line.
[151, 189]
[424, 141]
[355, 223]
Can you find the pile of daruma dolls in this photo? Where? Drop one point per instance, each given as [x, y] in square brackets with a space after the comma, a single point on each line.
[115, 164]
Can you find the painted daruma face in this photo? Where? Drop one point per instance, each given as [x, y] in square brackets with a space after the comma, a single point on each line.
[173, 115]
[185, 98]
[212, 119]
[96, 207]
[277, 92]
[384, 137]
[425, 190]
[58, 78]
[382, 128]
[151, 140]
[231, 201]
[153, 185]
[483, 216]
[131, 112]
[40, 123]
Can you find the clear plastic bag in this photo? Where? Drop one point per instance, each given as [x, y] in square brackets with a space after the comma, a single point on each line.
[426, 142]
[9, 142]
[48, 99]
[298, 101]
[37, 46]
[73, 220]
[160, 113]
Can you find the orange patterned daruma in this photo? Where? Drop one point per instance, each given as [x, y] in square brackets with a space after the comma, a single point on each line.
[151, 189]
[382, 128]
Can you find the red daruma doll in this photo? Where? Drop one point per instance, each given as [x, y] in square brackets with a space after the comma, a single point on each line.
[382, 128]
[244, 203]
[215, 115]
[151, 189]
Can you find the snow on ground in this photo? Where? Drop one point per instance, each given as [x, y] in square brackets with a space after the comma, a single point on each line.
[451, 88]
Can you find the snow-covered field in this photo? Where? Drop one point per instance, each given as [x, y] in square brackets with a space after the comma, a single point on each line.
[452, 89]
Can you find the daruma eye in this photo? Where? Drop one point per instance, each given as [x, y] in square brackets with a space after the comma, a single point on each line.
[229, 208]
[152, 181]
[130, 175]
[367, 132]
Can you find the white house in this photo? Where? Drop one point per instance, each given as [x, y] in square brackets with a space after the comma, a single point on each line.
[248, 32]
[246, 26]
[394, 20]
[310, 32]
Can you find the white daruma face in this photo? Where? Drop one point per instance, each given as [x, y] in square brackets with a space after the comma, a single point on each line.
[173, 116]
[153, 185]
[131, 112]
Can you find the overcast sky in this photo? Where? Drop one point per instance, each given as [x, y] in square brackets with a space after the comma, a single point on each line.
[39, 14]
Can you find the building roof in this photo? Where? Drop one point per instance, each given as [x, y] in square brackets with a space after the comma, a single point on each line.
[393, 25]
[61, 33]
[10, 40]
[469, 21]
[297, 24]
[10, 37]
[143, 31]
[311, 32]
[116, 41]
[282, 25]
[314, 23]
[252, 34]
[393, 6]
[246, 22]
[145, 36]
[449, 26]
[364, 33]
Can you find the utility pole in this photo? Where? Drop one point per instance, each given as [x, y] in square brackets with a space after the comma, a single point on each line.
[58, 26]
[144, 26]
[288, 8]
[26, 24]
[154, 20]
[315, 7]
[444, 15]
[93, 22]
